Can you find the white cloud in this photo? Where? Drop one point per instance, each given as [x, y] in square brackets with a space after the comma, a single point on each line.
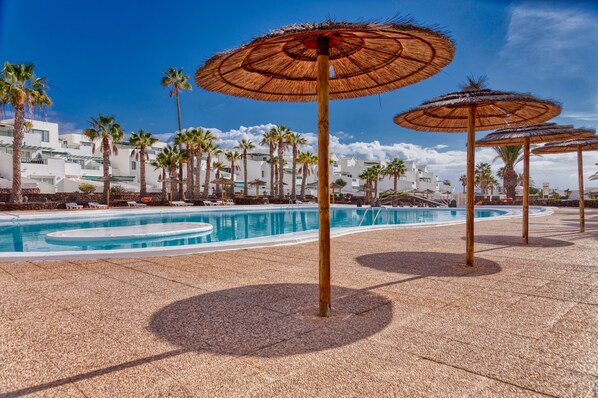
[550, 41]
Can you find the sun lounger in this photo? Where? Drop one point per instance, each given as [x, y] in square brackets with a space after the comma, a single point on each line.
[96, 205]
[209, 203]
[73, 206]
[229, 202]
[181, 203]
[135, 204]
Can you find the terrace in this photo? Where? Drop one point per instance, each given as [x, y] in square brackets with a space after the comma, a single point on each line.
[407, 320]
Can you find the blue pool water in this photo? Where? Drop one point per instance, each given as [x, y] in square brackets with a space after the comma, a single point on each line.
[30, 236]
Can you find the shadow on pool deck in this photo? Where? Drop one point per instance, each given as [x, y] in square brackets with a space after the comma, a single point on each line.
[428, 264]
[253, 320]
[510, 240]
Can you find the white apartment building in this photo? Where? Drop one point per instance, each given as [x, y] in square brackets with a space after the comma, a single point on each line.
[60, 163]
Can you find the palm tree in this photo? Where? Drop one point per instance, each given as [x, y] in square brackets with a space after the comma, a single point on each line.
[209, 149]
[22, 90]
[463, 181]
[281, 133]
[160, 163]
[307, 160]
[395, 169]
[233, 157]
[176, 80]
[245, 145]
[186, 138]
[483, 176]
[173, 157]
[510, 155]
[108, 132]
[141, 141]
[376, 173]
[369, 177]
[269, 139]
[294, 140]
[200, 139]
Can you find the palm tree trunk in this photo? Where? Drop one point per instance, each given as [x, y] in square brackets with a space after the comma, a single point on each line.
[164, 196]
[232, 178]
[106, 167]
[142, 184]
[206, 187]
[281, 169]
[245, 172]
[16, 196]
[189, 173]
[272, 169]
[303, 182]
[198, 157]
[396, 178]
[294, 174]
[178, 111]
[173, 176]
[275, 194]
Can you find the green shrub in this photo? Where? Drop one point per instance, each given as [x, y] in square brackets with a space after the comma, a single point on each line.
[87, 188]
[117, 189]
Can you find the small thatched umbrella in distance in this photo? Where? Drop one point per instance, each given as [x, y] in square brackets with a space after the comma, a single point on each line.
[428, 192]
[222, 181]
[576, 145]
[525, 136]
[295, 64]
[367, 190]
[258, 183]
[476, 108]
[110, 179]
[334, 186]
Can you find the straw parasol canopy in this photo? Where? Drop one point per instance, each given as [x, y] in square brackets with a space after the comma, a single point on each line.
[476, 108]
[366, 58]
[334, 186]
[539, 133]
[258, 183]
[323, 61]
[493, 110]
[575, 145]
[222, 181]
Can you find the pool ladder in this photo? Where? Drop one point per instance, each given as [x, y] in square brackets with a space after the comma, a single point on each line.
[376, 216]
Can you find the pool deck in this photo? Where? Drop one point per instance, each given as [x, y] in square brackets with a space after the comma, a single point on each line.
[409, 320]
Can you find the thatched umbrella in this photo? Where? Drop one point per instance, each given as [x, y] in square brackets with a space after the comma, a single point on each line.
[428, 192]
[334, 186]
[525, 136]
[110, 179]
[258, 183]
[367, 190]
[222, 181]
[576, 145]
[476, 108]
[295, 64]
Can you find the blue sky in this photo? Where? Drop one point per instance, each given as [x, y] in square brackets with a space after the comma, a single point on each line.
[108, 57]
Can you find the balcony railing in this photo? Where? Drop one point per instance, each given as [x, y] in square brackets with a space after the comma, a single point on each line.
[35, 161]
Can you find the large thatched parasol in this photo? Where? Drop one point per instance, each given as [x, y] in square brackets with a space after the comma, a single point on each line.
[476, 108]
[222, 181]
[525, 136]
[334, 186]
[576, 145]
[295, 64]
[258, 183]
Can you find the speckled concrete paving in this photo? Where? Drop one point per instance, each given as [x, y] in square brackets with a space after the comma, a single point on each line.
[409, 320]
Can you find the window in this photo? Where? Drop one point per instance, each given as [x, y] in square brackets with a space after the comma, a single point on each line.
[133, 165]
[263, 174]
[44, 133]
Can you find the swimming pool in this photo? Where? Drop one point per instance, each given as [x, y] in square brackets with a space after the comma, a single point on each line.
[30, 234]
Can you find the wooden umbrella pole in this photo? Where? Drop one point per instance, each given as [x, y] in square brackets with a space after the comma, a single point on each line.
[470, 185]
[323, 70]
[525, 232]
[582, 217]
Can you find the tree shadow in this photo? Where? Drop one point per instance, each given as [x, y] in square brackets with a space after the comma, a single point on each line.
[509, 241]
[252, 320]
[428, 264]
